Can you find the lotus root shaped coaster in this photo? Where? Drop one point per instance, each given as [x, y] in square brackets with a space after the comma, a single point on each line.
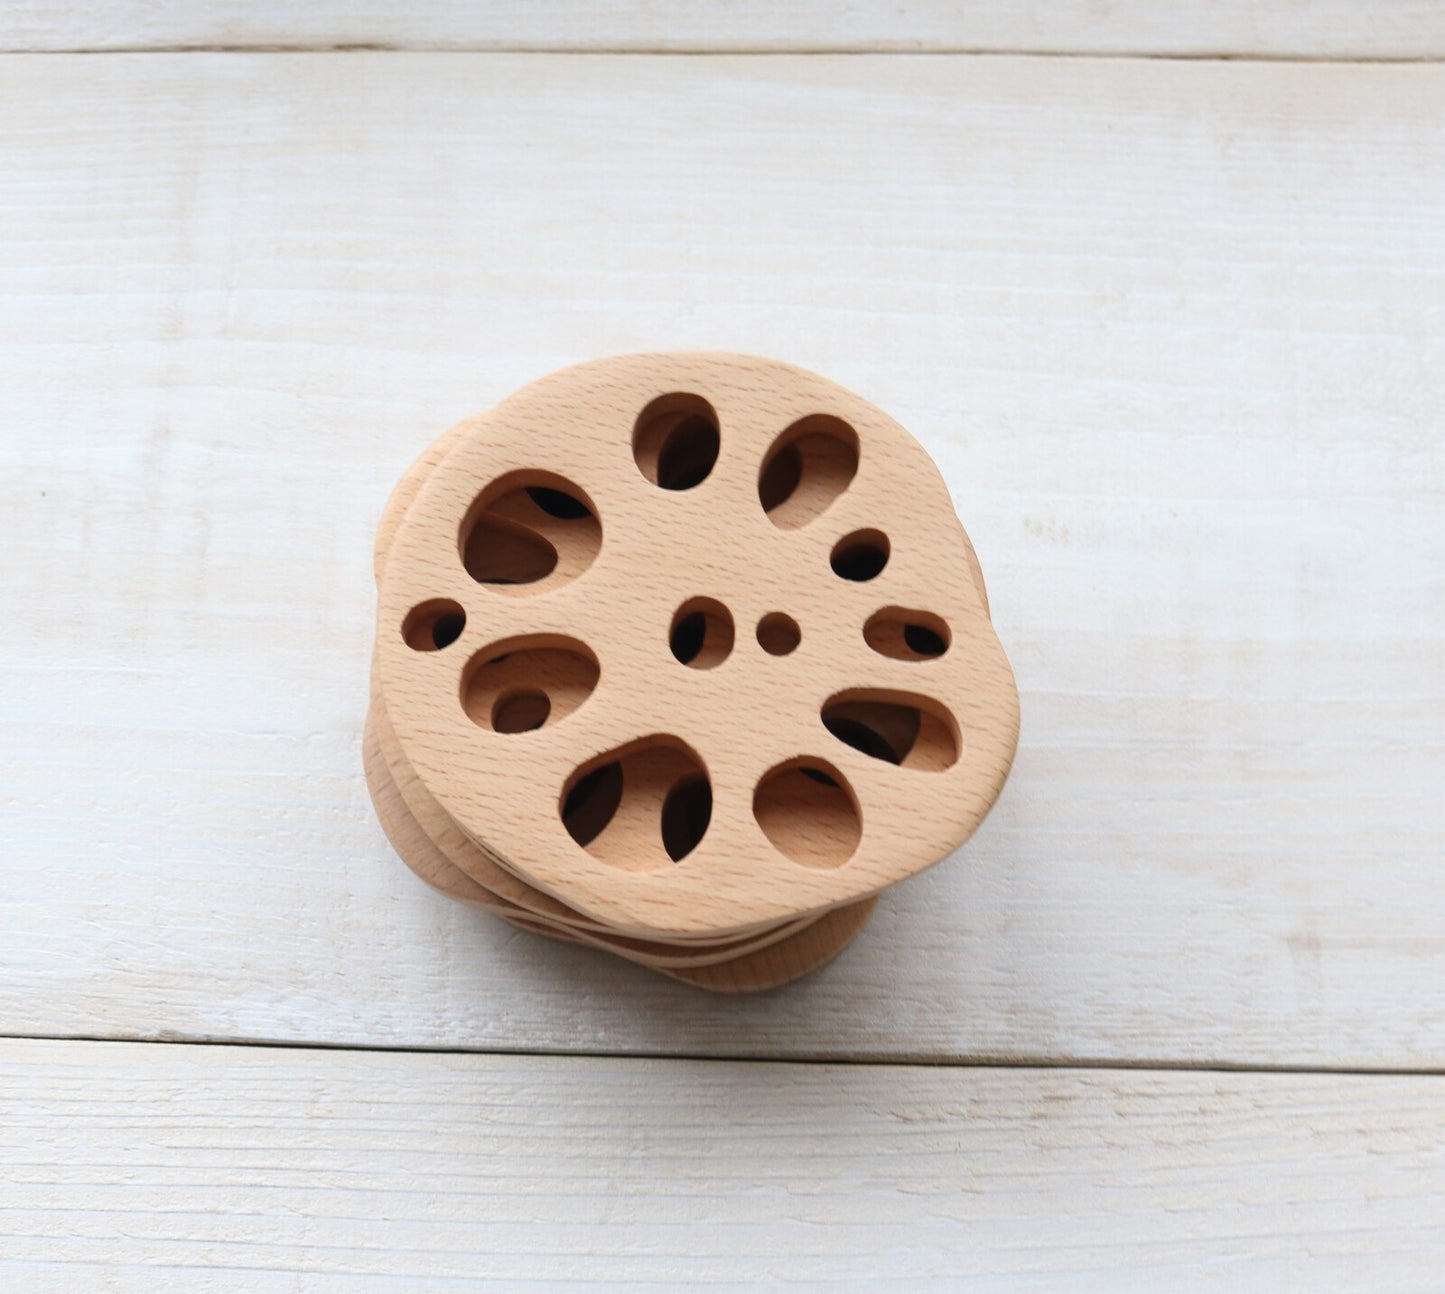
[685, 656]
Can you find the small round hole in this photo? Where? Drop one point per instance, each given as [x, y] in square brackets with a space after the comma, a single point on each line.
[702, 633]
[524, 709]
[688, 635]
[860, 556]
[676, 441]
[433, 625]
[778, 634]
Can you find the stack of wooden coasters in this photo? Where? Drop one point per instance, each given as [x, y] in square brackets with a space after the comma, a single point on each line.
[685, 657]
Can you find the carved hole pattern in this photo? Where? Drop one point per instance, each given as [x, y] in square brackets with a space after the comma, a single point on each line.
[648, 804]
[702, 633]
[528, 532]
[524, 684]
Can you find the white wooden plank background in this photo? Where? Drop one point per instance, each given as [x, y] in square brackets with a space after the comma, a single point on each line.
[1173, 330]
[1372, 29]
[152, 1167]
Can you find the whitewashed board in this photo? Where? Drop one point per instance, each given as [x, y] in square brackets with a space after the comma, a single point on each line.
[1173, 330]
[1359, 29]
[140, 1167]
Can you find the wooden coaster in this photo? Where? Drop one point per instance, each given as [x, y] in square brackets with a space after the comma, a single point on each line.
[775, 964]
[452, 863]
[478, 874]
[709, 592]
[451, 866]
[792, 950]
[684, 657]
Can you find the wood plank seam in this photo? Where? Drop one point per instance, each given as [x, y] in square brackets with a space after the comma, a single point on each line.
[902, 1060]
[128, 1164]
[743, 51]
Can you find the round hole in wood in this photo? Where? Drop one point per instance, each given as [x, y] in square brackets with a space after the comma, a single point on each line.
[807, 467]
[702, 633]
[676, 441]
[806, 808]
[860, 556]
[434, 624]
[903, 634]
[641, 807]
[897, 727]
[527, 531]
[523, 684]
[778, 633]
[521, 709]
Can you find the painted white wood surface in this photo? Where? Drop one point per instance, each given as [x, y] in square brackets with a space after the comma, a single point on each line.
[141, 1167]
[1173, 331]
[1362, 29]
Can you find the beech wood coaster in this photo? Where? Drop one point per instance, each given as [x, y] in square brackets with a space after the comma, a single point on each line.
[801, 945]
[686, 657]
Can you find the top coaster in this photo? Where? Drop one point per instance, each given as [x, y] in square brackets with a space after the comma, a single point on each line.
[696, 644]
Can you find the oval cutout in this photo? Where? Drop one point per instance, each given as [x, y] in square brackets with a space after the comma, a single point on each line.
[860, 556]
[778, 634]
[902, 634]
[806, 808]
[641, 807]
[807, 467]
[433, 625]
[529, 529]
[896, 727]
[524, 684]
[702, 633]
[676, 441]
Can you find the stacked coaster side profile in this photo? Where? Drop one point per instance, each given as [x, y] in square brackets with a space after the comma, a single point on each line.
[685, 657]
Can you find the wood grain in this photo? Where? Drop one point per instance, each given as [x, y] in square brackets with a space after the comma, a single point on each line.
[1171, 330]
[1372, 29]
[128, 1166]
[431, 844]
[750, 720]
[766, 960]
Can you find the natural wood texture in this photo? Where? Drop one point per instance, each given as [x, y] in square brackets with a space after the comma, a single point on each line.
[1405, 29]
[746, 965]
[436, 849]
[123, 1166]
[1171, 332]
[431, 843]
[661, 478]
